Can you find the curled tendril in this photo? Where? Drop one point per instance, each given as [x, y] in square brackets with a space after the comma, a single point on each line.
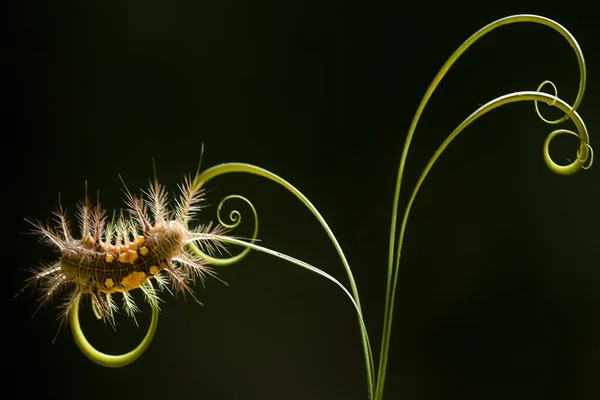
[203, 178]
[108, 360]
[236, 218]
[375, 381]
[591, 157]
[583, 160]
[584, 153]
[537, 109]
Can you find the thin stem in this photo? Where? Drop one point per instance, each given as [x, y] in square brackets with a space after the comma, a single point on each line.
[108, 360]
[395, 248]
[222, 169]
[300, 263]
[235, 216]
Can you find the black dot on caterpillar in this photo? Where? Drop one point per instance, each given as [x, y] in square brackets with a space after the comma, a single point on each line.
[147, 243]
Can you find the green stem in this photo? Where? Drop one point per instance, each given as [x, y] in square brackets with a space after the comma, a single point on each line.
[227, 168]
[376, 383]
[107, 360]
[393, 267]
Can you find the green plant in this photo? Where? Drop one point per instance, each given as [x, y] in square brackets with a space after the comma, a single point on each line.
[198, 242]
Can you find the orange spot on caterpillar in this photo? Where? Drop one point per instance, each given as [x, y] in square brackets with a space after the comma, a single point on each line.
[134, 279]
[121, 254]
[128, 257]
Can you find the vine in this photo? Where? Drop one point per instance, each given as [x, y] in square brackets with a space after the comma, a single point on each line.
[200, 240]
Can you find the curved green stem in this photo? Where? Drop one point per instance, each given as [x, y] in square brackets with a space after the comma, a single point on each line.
[395, 248]
[108, 360]
[227, 168]
[307, 266]
[375, 382]
[236, 219]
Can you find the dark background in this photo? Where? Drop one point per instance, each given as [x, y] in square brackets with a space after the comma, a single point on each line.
[498, 295]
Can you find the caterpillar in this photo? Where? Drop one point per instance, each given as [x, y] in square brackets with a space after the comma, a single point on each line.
[148, 243]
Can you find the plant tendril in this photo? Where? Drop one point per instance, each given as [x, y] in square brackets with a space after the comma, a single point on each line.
[227, 168]
[376, 378]
[108, 360]
[537, 110]
[570, 113]
[236, 218]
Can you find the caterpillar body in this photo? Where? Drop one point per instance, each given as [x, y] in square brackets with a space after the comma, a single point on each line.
[113, 257]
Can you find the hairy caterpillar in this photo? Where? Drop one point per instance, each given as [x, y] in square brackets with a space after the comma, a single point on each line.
[115, 256]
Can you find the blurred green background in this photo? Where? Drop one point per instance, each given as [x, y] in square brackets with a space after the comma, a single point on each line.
[498, 295]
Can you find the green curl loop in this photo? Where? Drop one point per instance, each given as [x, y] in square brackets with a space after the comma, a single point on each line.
[584, 153]
[535, 103]
[236, 218]
[376, 378]
[108, 360]
[581, 161]
[222, 169]
[234, 215]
